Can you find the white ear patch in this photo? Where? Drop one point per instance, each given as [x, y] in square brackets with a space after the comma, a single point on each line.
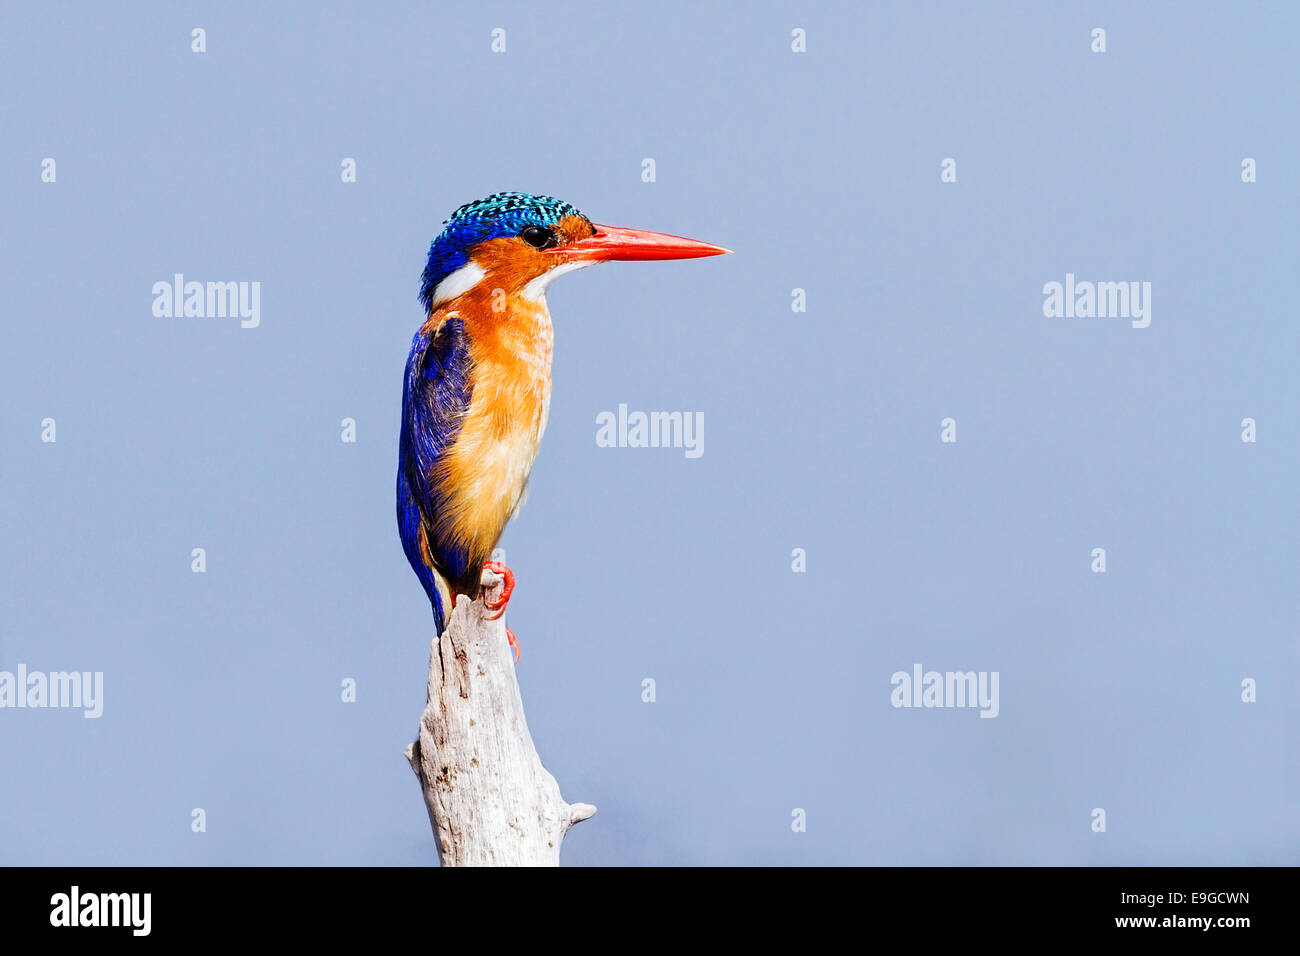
[458, 283]
[536, 289]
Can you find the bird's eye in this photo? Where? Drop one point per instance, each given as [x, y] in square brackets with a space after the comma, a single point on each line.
[539, 237]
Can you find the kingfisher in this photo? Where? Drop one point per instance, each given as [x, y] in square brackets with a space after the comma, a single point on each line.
[478, 378]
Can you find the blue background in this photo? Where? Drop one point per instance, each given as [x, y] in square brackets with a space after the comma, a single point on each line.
[924, 301]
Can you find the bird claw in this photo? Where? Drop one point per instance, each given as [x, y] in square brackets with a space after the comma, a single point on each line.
[499, 605]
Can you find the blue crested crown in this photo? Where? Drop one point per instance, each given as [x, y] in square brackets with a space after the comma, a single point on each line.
[496, 216]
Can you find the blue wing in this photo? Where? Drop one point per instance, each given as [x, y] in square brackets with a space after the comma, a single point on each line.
[435, 397]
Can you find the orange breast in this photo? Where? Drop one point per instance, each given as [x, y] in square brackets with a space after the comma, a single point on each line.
[484, 472]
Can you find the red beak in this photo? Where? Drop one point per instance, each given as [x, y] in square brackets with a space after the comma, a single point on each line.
[613, 242]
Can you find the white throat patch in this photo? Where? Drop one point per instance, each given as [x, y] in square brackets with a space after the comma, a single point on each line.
[535, 291]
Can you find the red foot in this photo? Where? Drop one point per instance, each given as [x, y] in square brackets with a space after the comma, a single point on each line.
[499, 605]
[505, 596]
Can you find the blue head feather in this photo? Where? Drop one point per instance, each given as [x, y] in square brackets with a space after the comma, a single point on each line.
[497, 216]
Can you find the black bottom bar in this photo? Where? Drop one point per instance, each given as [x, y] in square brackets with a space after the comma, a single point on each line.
[334, 905]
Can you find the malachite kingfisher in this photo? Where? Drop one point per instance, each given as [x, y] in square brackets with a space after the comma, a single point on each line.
[478, 378]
